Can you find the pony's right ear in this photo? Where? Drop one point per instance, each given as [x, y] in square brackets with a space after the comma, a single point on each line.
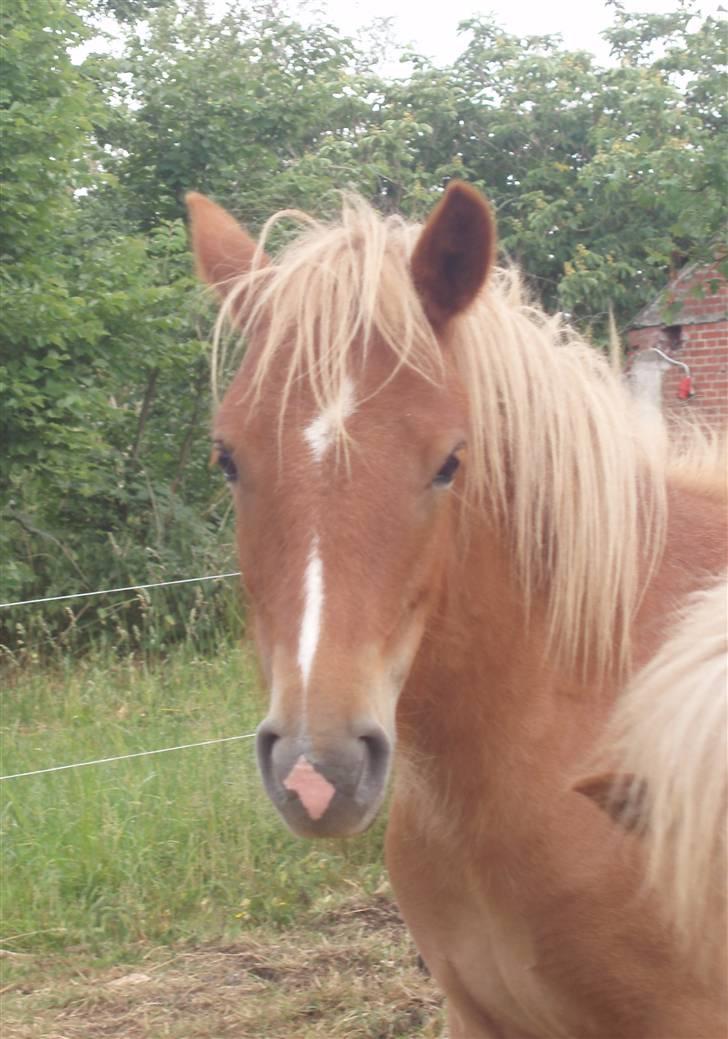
[223, 249]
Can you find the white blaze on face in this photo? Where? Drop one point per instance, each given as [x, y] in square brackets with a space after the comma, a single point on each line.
[313, 605]
[319, 434]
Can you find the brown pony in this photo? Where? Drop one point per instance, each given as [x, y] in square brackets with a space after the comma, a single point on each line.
[458, 534]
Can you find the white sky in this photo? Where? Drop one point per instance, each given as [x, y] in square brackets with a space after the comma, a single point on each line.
[432, 26]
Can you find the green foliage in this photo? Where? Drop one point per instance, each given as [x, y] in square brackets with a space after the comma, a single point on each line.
[104, 374]
[44, 108]
[128, 11]
[106, 468]
[44, 114]
[655, 185]
[603, 180]
[229, 107]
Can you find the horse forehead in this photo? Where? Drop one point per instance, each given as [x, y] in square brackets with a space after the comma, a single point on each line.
[404, 408]
[372, 403]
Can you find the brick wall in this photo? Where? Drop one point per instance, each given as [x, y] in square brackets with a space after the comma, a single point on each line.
[698, 338]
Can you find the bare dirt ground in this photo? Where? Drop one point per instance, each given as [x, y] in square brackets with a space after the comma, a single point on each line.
[351, 974]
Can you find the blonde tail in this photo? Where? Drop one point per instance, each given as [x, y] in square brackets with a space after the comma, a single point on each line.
[669, 737]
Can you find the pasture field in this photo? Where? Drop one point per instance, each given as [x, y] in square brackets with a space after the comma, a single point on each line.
[162, 896]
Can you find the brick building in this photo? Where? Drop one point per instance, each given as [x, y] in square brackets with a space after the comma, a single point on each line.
[689, 323]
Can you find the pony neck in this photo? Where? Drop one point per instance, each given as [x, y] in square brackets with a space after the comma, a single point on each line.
[485, 689]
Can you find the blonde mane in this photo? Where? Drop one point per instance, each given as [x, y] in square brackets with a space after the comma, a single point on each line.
[556, 449]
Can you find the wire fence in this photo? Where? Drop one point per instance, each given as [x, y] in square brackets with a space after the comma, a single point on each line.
[139, 753]
[110, 591]
[126, 757]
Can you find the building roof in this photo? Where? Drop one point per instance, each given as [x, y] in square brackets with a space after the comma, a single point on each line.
[697, 295]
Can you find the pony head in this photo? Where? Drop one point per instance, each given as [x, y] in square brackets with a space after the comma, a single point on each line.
[344, 436]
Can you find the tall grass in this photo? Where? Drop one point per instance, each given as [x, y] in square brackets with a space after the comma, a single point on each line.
[180, 844]
[144, 621]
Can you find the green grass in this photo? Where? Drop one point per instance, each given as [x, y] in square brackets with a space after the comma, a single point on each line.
[155, 849]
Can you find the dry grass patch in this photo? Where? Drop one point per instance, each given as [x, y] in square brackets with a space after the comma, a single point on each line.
[351, 973]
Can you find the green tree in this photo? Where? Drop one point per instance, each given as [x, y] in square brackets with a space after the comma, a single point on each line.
[234, 107]
[656, 185]
[44, 107]
[602, 178]
[103, 374]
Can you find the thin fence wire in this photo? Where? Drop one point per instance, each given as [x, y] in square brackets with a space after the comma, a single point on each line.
[136, 754]
[126, 757]
[139, 753]
[111, 591]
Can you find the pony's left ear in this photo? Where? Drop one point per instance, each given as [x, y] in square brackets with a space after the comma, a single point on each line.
[223, 249]
[621, 795]
[454, 253]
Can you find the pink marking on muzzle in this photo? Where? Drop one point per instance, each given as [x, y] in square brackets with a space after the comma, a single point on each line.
[314, 791]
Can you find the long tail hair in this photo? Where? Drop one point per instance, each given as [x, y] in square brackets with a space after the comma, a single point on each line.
[669, 738]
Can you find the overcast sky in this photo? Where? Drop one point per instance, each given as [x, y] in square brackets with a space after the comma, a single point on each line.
[432, 26]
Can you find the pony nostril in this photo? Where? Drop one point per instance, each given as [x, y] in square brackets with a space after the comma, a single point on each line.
[376, 747]
[266, 739]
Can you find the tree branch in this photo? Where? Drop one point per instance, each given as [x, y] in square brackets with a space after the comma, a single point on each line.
[28, 527]
[149, 394]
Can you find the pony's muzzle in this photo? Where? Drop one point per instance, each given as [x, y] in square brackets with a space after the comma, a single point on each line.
[325, 786]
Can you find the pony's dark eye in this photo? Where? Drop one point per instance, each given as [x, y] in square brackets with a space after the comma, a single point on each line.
[227, 463]
[446, 474]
